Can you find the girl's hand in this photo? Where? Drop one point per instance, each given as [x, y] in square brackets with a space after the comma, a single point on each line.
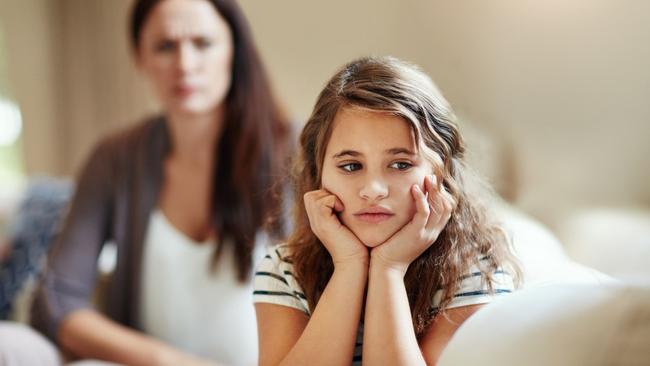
[322, 209]
[433, 210]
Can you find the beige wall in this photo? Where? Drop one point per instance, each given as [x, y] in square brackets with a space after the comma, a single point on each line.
[71, 73]
[31, 28]
[566, 83]
[562, 86]
[103, 91]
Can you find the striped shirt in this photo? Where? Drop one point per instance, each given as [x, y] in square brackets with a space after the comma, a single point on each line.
[275, 284]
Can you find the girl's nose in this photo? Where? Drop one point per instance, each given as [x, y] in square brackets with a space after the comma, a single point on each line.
[374, 190]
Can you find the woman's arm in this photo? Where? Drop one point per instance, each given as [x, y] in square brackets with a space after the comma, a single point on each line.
[88, 334]
[71, 271]
[62, 308]
[289, 337]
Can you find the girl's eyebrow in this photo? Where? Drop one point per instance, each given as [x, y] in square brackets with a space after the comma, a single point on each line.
[343, 153]
[393, 151]
[399, 150]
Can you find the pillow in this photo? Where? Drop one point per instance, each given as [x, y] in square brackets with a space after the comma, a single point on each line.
[557, 325]
[542, 256]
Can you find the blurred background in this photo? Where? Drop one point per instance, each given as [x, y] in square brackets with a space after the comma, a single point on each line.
[554, 96]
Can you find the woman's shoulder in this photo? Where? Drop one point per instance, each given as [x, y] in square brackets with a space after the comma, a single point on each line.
[122, 145]
[133, 135]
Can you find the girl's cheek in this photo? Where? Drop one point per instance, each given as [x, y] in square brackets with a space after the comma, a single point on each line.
[327, 179]
[418, 177]
[329, 186]
[334, 186]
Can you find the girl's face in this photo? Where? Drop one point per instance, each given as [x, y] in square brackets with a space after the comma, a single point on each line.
[186, 52]
[371, 163]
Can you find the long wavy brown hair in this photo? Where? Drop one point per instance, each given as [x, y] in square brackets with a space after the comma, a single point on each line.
[388, 85]
[253, 149]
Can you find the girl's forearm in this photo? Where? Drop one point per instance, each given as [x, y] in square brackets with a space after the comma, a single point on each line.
[329, 337]
[389, 337]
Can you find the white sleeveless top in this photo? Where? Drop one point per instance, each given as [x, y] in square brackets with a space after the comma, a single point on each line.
[206, 313]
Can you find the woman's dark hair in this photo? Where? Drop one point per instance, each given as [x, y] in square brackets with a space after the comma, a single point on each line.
[253, 148]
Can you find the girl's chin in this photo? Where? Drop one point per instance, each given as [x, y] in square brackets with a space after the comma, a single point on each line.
[373, 236]
[372, 244]
[372, 241]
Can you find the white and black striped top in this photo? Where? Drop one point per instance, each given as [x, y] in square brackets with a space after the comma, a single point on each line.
[275, 284]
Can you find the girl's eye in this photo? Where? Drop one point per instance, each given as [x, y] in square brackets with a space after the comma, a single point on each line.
[350, 167]
[401, 165]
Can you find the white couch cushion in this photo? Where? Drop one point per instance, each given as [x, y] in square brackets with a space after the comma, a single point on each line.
[542, 257]
[557, 325]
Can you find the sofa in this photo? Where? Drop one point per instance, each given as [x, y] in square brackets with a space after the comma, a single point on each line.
[560, 300]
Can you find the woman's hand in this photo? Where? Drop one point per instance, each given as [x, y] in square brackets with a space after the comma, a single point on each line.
[433, 210]
[322, 209]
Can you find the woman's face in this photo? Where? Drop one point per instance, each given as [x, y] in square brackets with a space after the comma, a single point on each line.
[371, 163]
[186, 51]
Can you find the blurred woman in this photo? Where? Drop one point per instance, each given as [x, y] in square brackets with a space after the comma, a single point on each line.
[186, 197]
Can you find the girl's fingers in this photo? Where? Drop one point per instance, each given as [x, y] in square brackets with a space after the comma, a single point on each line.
[310, 199]
[327, 201]
[314, 206]
[422, 209]
[315, 195]
[442, 204]
[321, 205]
[338, 205]
[322, 208]
[313, 198]
[332, 202]
[432, 200]
[431, 187]
[327, 198]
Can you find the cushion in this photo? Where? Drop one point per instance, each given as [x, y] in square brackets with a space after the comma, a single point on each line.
[574, 324]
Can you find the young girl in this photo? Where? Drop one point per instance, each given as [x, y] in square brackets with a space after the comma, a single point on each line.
[390, 252]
